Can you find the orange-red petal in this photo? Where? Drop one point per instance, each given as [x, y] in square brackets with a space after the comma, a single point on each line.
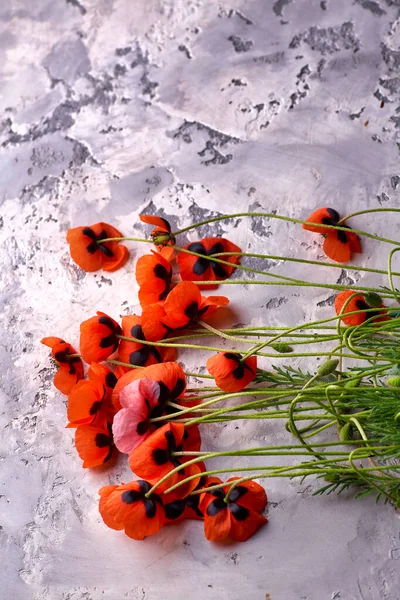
[153, 274]
[121, 255]
[158, 222]
[321, 217]
[105, 493]
[94, 445]
[64, 381]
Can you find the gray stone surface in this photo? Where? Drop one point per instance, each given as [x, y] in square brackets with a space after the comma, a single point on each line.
[189, 108]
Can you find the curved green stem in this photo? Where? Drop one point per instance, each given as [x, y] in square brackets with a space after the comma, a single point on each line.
[283, 218]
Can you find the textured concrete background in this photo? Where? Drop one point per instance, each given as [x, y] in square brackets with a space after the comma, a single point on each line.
[191, 108]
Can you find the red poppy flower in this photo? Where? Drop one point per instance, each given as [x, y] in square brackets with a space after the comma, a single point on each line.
[239, 518]
[95, 445]
[338, 245]
[127, 507]
[89, 402]
[357, 303]
[185, 304]
[155, 457]
[70, 367]
[153, 274]
[230, 372]
[99, 338]
[161, 235]
[170, 377]
[135, 353]
[194, 268]
[88, 251]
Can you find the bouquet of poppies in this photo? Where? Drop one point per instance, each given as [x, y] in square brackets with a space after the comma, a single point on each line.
[136, 400]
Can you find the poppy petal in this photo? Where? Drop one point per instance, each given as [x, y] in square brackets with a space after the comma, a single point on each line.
[156, 221]
[64, 381]
[143, 389]
[153, 274]
[322, 216]
[217, 522]
[127, 431]
[152, 459]
[51, 341]
[153, 321]
[98, 339]
[244, 523]
[94, 445]
[121, 255]
[104, 375]
[183, 304]
[167, 252]
[354, 242]
[85, 402]
[105, 493]
[337, 247]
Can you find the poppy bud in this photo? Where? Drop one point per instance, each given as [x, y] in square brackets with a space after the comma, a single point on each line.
[353, 384]
[282, 348]
[346, 432]
[328, 367]
[161, 238]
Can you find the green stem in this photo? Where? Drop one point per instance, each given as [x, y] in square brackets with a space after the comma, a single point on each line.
[283, 218]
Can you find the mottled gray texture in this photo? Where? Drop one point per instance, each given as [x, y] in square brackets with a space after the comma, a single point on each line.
[188, 109]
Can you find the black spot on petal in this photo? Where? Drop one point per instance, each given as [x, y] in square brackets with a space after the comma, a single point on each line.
[238, 373]
[174, 510]
[89, 233]
[108, 341]
[142, 427]
[160, 456]
[239, 512]
[237, 493]
[102, 440]
[131, 496]
[139, 357]
[95, 407]
[111, 380]
[334, 215]
[192, 309]
[150, 507]
[137, 332]
[178, 389]
[104, 320]
[215, 507]
[342, 237]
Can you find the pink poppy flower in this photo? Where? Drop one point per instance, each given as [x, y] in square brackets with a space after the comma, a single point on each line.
[131, 424]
